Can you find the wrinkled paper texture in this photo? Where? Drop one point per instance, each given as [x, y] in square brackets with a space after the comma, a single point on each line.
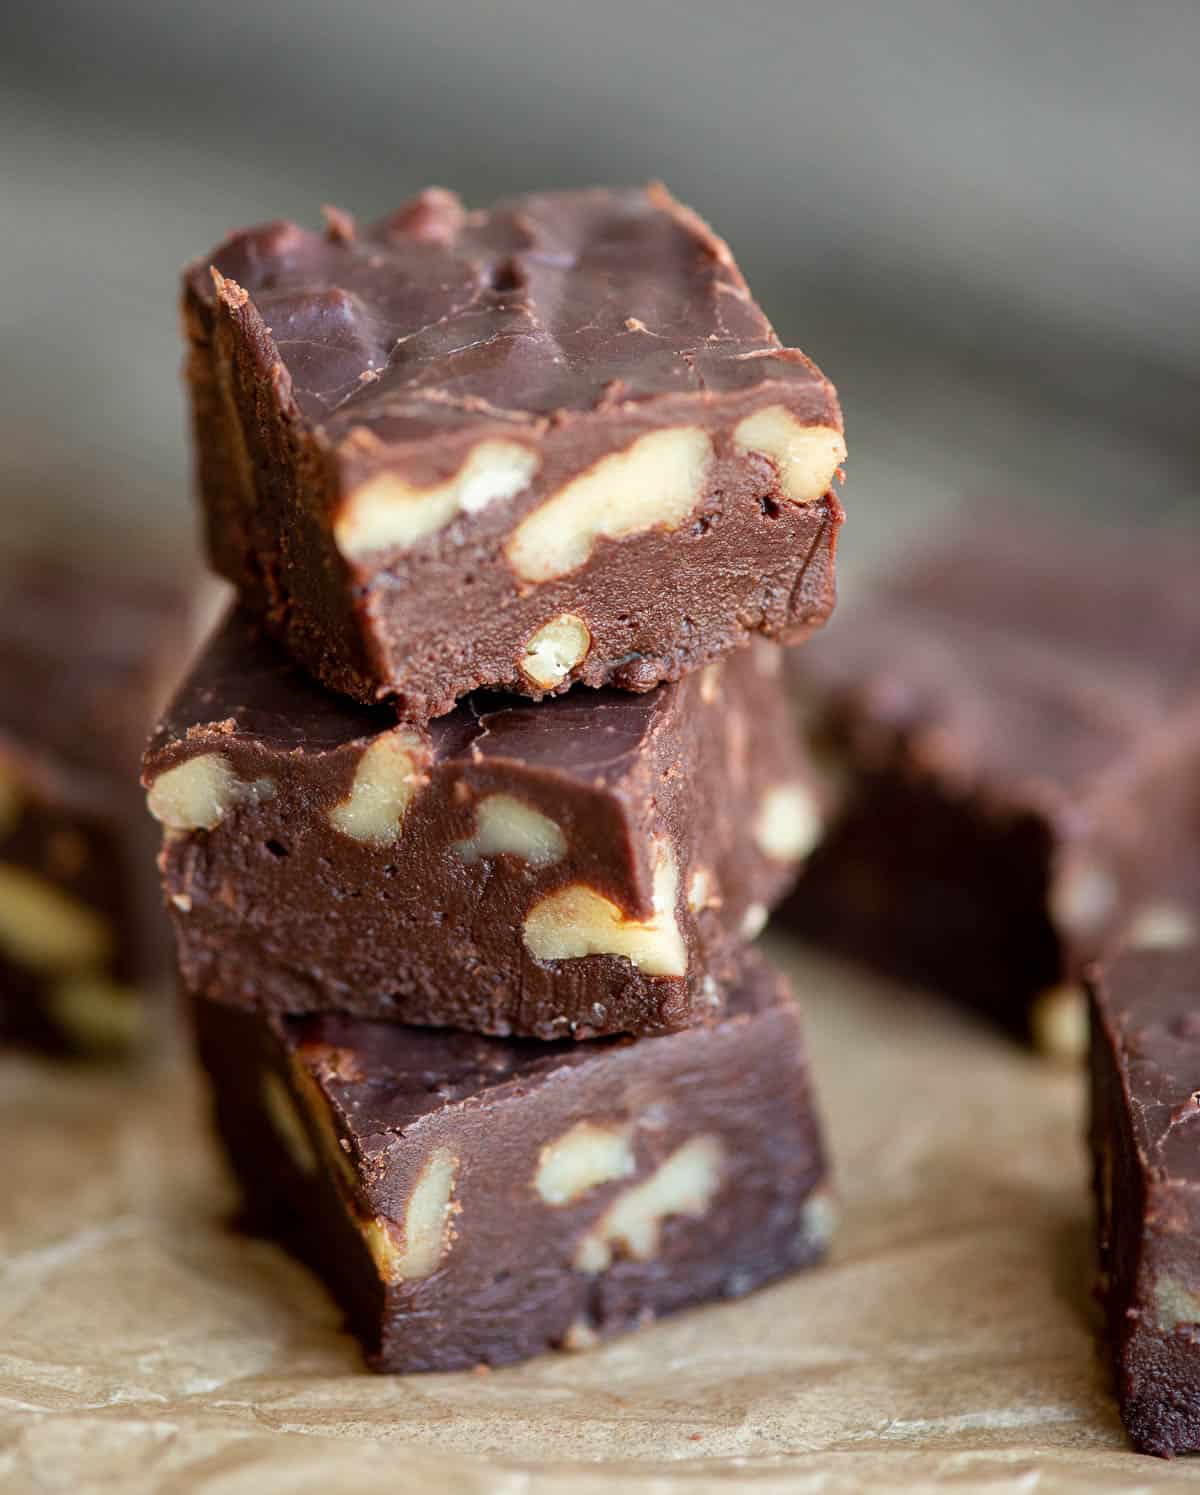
[947, 1345]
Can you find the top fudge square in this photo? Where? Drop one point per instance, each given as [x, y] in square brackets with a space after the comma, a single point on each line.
[552, 442]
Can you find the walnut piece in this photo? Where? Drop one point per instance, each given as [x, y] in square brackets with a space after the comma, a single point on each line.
[583, 1158]
[1175, 1304]
[285, 1118]
[576, 921]
[818, 1218]
[754, 921]
[198, 793]
[555, 649]
[415, 1249]
[46, 929]
[387, 513]
[98, 1014]
[1058, 1022]
[389, 773]
[1161, 926]
[656, 481]
[580, 1335]
[506, 826]
[699, 890]
[788, 824]
[805, 457]
[682, 1185]
[1082, 898]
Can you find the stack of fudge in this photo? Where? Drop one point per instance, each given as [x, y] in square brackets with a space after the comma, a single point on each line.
[473, 803]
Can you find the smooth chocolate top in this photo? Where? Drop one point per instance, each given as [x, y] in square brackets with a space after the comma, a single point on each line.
[1151, 999]
[243, 683]
[543, 308]
[1022, 656]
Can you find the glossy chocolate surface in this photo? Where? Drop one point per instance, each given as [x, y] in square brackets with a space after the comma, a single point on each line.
[684, 811]
[564, 328]
[580, 1189]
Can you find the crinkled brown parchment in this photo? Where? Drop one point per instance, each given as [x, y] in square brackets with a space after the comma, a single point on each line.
[946, 1346]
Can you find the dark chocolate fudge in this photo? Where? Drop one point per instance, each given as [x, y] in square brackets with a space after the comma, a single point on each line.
[552, 442]
[1145, 1135]
[477, 1200]
[85, 662]
[577, 867]
[1014, 727]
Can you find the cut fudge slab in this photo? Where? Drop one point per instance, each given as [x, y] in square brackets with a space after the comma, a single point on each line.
[85, 662]
[582, 866]
[1015, 725]
[478, 1200]
[1145, 1134]
[553, 442]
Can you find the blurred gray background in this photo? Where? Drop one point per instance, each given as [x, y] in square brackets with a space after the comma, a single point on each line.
[982, 219]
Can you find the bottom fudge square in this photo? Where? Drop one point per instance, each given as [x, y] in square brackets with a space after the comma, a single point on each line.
[476, 1200]
[1145, 1135]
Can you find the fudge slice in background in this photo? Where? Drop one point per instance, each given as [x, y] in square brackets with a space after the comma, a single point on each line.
[552, 442]
[86, 661]
[1013, 730]
[477, 1200]
[1145, 1137]
[578, 867]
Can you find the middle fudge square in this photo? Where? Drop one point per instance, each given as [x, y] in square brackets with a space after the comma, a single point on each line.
[475, 1200]
[578, 867]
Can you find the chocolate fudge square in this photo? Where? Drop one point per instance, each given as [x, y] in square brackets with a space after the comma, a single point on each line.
[552, 442]
[1145, 1136]
[578, 867]
[1014, 725]
[476, 1200]
[85, 662]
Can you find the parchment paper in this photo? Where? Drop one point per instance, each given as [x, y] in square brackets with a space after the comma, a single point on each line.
[946, 1346]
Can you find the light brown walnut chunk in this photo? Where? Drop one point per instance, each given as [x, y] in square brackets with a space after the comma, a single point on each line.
[1059, 1022]
[684, 1184]
[555, 650]
[1161, 926]
[806, 458]
[46, 929]
[1083, 897]
[388, 775]
[583, 1158]
[198, 793]
[1175, 1304]
[754, 921]
[388, 513]
[285, 1118]
[656, 481]
[98, 1014]
[506, 826]
[415, 1248]
[576, 921]
[788, 824]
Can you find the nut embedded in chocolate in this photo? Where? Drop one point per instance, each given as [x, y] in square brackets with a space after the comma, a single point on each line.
[417, 448]
[533, 1195]
[508, 869]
